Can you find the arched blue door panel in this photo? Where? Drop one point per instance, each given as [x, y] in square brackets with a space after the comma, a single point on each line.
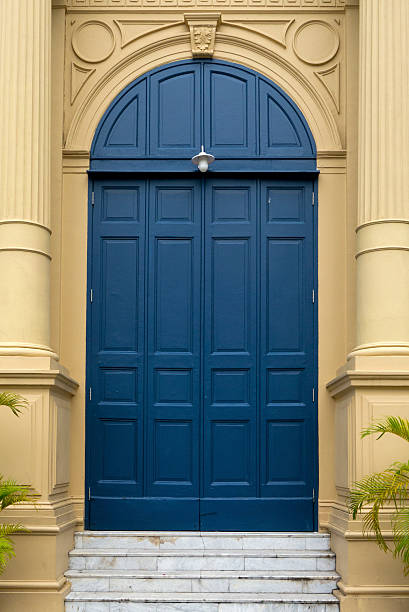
[231, 110]
[175, 95]
[201, 351]
[230, 119]
[123, 134]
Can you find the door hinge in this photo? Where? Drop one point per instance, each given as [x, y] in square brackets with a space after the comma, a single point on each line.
[313, 394]
[92, 198]
[313, 496]
[313, 296]
[313, 198]
[91, 295]
[90, 393]
[89, 493]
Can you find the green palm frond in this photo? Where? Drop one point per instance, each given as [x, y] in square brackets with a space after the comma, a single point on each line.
[9, 529]
[376, 491]
[12, 493]
[6, 543]
[385, 490]
[6, 552]
[382, 487]
[394, 425]
[401, 537]
[15, 402]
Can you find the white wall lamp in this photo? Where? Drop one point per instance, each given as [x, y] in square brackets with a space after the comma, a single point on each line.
[202, 160]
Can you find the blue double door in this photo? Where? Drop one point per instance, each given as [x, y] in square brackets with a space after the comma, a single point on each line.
[201, 355]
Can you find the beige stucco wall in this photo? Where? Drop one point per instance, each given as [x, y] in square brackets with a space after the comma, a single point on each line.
[310, 49]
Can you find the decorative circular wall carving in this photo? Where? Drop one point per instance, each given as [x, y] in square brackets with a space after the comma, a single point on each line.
[316, 42]
[93, 41]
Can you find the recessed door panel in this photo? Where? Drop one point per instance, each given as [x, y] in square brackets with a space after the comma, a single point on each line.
[284, 296]
[173, 276]
[122, 133]
[230, 116]
[175, 120]
[119, 294]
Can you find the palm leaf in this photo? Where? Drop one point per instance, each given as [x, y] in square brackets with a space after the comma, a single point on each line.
[391, 424]
[401, 537]
[385, 489]
[15, 402]
[6, 543]
[12, 493]
[376, 491]
[11, 528]
[6, 552]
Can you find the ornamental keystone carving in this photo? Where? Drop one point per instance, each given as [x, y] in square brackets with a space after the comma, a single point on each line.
[202, 28]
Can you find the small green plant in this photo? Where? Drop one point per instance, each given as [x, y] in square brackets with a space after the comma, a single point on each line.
[388, 489]
[10, 492]
[15, 402]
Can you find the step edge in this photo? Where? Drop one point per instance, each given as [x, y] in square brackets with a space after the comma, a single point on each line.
[222, 597]
[209, 574]
[129, 573]
[252, 552]
[201, 534]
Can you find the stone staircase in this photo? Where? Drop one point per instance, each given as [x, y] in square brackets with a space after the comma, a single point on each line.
[195, 571]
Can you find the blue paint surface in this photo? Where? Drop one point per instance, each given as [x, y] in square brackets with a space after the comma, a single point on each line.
[233, 111]
[201, 347]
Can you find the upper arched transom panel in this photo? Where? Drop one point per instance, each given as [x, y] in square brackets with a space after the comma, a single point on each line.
[231, 110]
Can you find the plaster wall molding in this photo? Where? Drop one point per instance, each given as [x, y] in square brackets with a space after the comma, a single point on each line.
[79, 76]
[331, 79]
[316, 42]
[132, 29]
[33, 585]
[93, 41]
[273, 29]
[172, 43]
[373, 590]
[97, 5]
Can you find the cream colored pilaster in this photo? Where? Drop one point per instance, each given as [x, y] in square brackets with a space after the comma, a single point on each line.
[25, 116]
[375, 380]
[383, 203]
[34, 449]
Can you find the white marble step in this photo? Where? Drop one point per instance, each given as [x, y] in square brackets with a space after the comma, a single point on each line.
[200, 602]
[162, 560]
[196, 540]
[203, 581]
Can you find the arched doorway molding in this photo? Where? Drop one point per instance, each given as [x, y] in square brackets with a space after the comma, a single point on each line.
[169, 46]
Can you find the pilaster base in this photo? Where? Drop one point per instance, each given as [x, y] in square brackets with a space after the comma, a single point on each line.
[34, 450]
[367, 388]
[33, 599]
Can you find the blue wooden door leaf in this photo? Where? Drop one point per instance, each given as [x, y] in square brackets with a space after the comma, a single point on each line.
[201, 346]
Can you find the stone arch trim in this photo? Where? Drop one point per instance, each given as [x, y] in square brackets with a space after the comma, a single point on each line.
[231, 46]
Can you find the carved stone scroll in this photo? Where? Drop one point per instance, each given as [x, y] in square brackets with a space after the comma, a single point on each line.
[202, 28]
